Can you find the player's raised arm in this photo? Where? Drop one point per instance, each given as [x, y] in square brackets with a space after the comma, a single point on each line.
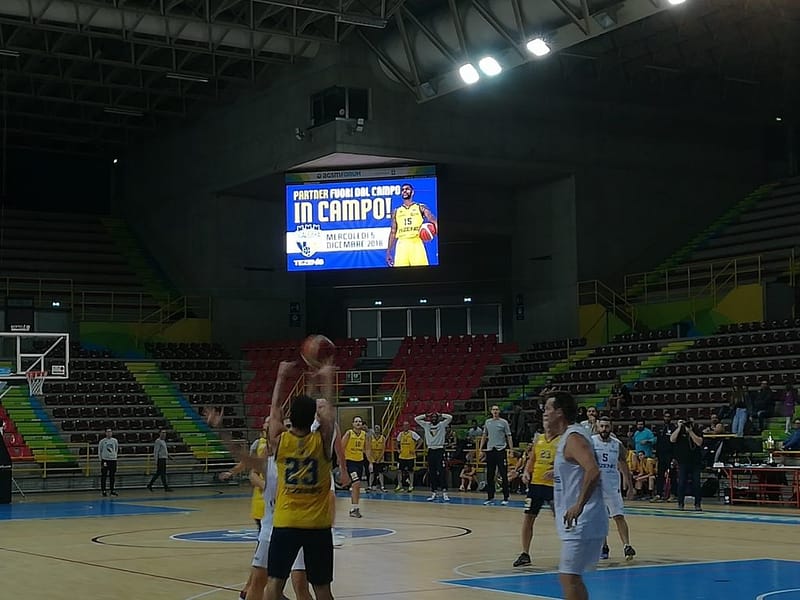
[278, 396]
[327, 378]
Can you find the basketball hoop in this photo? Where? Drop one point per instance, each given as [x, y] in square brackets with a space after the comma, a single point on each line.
[36, 382]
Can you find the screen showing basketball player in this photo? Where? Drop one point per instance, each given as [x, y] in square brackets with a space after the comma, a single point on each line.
[377, 223]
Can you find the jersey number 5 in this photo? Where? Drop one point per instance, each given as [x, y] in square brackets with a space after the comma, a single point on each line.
[301, 472]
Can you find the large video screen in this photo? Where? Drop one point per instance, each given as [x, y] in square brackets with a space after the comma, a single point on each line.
[338, 220]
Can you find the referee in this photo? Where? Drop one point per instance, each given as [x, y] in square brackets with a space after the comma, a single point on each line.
[498, 434]
[107, 451]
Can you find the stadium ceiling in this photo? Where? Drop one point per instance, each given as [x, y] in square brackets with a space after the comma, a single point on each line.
[89, 76]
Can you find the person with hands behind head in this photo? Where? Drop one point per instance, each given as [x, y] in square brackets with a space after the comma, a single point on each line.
[581, 516]
[688, 441]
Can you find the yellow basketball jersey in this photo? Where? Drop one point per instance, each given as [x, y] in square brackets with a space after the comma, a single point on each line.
[408, 446]
[304, 482]
[545, 455]
[378, 447]
[409, 220]
[356, 444]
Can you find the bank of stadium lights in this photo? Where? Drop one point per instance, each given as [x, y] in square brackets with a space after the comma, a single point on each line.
[675, 2]
[469, 74]
[538, 47]
[490, 66]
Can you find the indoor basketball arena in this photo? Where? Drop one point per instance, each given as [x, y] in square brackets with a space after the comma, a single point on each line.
[399, 299]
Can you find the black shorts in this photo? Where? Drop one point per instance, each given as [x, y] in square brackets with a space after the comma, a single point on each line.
[379, 467]
[537, 496]
[406, 464]
[317, 545]
[356, 470]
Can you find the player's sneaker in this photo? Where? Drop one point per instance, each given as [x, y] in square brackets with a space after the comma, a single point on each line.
[504, 503]
[523, 560]
[432, 497]
[445, 497]
[383, 490]
[410, 489]
[604, 552]
[399, 488]
[629, 552]
[355, 513]
[489, 503]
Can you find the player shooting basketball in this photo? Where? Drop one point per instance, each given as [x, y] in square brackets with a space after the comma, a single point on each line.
[407, 219]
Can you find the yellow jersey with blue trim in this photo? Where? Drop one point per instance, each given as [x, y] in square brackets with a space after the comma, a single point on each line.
[304, 482]
[356, 445]
[544, 457]
[409, 219]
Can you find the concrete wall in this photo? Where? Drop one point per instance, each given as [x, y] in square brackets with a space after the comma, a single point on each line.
[545, 259]
[633, 183]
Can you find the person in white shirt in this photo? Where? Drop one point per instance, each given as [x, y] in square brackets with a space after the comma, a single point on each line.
[581, 518]
[107, 451]
[435, 427]
[611, 455]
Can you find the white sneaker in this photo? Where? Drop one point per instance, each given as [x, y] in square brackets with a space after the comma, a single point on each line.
[489, 503]
[445, 497]
[433, 497]
[504, 503]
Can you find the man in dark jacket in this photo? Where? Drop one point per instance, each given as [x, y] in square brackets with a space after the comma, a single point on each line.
[664, 453]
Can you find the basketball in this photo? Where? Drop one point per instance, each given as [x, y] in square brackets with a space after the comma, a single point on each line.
[427, 232]
[317, 349]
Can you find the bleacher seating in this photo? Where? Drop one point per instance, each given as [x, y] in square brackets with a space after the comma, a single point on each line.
[442, 372]
[262, 359]
[103, 393]
[75, 259]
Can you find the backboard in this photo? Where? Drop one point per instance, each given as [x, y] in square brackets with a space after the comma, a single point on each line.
[23, 352]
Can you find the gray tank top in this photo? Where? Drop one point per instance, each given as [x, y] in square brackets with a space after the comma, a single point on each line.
[567, 482]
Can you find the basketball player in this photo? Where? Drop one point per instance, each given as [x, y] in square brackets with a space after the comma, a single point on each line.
[377, 450]
[538, 474]
[435, 427]
[581, 517]
[355, 453]
[611, 459]
[107, 451]
[258, 450]
[409, 443]
[302, 517]
[406, 221]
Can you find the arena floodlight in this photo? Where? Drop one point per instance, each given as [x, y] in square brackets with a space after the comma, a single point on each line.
[469, 74]
[11, 53]
[187, 77]
[675, 2]
[490, 66]
[538, 47]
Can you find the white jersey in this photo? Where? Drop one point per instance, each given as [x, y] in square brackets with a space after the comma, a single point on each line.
[270, 491]
[567, 483]
[608, 455]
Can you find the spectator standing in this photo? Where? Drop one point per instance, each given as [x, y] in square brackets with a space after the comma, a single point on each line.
[497, 435]
[107, 451]
[474, 433]
[788, 403]
[161, 455]
[739, 405]
[520, 426]
[664, 454]
[643, 439]
[688, 440]
[763, 403]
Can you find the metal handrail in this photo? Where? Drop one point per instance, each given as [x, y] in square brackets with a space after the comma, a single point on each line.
[45, 291]
[597, 292]
[682, 283]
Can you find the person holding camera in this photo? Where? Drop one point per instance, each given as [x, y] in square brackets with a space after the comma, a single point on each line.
[688, 445]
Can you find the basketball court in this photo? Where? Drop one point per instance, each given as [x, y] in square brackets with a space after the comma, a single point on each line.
[198, 543]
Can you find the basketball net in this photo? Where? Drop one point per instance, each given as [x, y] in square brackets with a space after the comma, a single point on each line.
[36, 382]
